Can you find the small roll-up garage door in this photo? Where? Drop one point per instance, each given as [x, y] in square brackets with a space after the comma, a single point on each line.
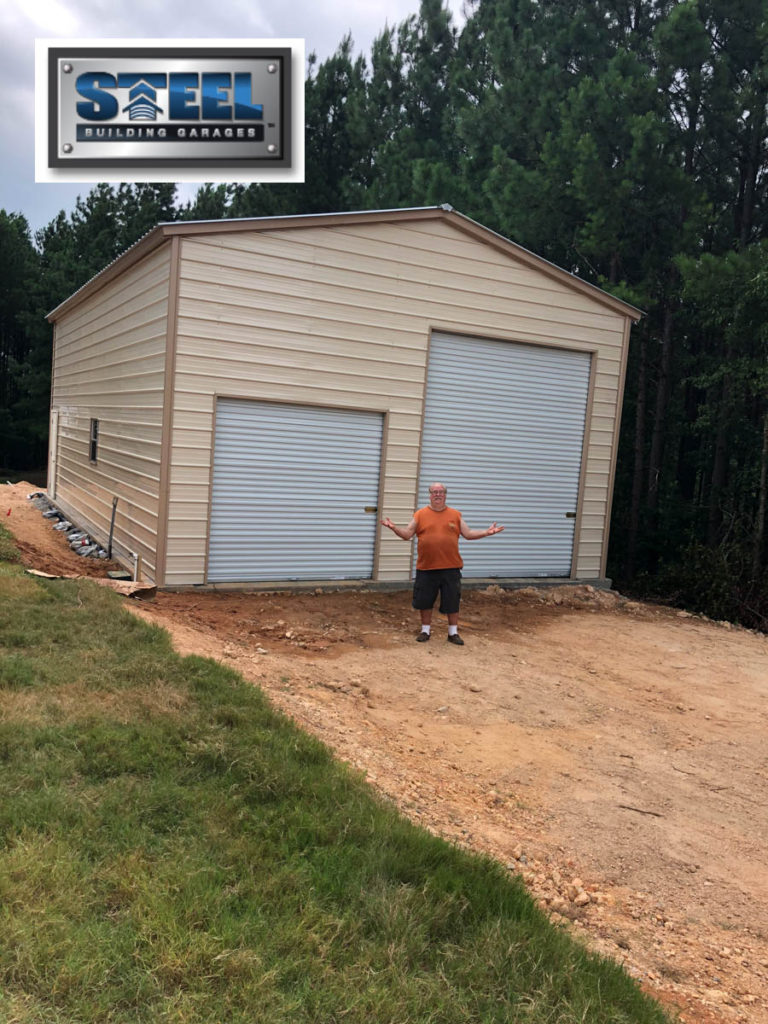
[504, 430]
[295, 492]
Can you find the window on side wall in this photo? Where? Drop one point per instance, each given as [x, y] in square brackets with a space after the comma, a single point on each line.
[93, 444]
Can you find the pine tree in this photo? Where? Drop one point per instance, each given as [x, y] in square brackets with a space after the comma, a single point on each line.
[21, 438]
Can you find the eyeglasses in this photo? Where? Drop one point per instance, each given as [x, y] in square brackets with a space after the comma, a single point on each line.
[441, 491]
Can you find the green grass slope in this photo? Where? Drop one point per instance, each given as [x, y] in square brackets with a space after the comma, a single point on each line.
[173, 850]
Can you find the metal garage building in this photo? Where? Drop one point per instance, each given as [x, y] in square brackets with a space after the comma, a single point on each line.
[257, 393]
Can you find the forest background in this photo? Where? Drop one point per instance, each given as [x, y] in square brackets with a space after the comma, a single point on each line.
[624, 140]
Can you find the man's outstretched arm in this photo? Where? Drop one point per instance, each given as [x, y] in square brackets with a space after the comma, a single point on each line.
[468, 534]
[403, 534]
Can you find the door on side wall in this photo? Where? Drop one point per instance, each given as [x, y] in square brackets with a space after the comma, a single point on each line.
[295, 492]
[504, 431]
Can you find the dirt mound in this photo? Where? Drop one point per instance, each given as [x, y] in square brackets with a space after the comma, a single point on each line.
[563, 597]
[40, 546]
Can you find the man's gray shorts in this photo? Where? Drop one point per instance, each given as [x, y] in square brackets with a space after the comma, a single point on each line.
[430, 582]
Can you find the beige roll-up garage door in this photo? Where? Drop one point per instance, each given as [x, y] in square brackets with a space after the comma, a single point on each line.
[295, 492]
[504, 430]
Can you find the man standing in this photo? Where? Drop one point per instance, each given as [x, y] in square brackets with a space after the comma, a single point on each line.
[438, 563]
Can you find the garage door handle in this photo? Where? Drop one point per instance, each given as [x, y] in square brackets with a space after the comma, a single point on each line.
[570, 515]
[371, 508]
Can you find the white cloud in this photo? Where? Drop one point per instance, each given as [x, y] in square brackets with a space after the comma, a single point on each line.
[47, 16]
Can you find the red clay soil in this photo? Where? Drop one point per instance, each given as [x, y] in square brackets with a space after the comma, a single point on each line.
[612, 753]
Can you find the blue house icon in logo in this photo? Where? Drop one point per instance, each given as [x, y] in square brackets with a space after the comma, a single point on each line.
[142, 106]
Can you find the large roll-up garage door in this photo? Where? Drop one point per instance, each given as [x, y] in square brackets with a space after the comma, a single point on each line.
[504, 430]
[295, 492]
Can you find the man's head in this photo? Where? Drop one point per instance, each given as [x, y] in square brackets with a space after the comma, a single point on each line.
[437, 496]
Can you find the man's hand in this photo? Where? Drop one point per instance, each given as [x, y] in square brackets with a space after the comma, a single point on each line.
[405, 534]
[468, 534]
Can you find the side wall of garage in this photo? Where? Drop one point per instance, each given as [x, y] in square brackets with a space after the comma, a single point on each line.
[342, 316]
[109, 366]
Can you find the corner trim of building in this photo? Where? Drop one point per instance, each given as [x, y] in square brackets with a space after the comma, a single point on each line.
[169, 388]
[615, 452]
[589, 412]
[49, 471]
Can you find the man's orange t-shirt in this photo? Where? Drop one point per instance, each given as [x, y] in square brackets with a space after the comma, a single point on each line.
[438, 534]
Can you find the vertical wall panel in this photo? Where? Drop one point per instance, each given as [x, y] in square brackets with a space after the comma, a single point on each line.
[341, 316]
[109, 366]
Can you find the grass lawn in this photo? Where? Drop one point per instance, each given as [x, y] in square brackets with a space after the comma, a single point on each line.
[172, 849]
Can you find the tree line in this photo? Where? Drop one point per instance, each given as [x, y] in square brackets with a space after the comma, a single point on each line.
[624, 140]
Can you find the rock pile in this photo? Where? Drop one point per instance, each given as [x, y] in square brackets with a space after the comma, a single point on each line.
[578, 596]
[80, 541]
[558, 893]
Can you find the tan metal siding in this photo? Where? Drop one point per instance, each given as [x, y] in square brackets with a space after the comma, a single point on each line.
[110, 353]
[342, 316]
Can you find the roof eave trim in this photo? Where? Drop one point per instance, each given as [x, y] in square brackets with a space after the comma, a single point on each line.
[552, 270]
[168, 229]
[145, 245]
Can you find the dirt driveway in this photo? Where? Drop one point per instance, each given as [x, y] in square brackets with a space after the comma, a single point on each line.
[613, 753]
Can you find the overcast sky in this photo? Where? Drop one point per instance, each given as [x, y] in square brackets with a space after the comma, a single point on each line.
[322, 26]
